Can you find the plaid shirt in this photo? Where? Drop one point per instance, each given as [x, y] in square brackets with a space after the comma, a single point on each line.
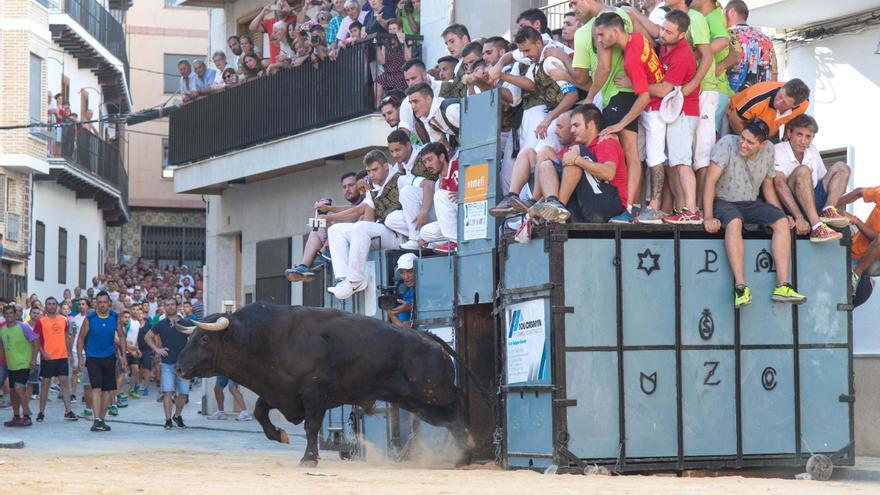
[333, 29]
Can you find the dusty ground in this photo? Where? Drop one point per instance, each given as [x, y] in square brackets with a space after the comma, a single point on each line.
[247, 472]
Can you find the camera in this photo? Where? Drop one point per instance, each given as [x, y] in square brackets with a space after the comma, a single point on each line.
[388, 297]
[317, 223]
[316, 39]
[408, 7]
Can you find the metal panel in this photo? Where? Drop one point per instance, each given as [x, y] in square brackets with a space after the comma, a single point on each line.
[823, 277]
[708, 384]
[435, 287]
[273, 257]
[650, 406]
[768, 418]
[591, 380]
[707, 315]
[529, 429]
[648, 284]
[824, 418]
[763, 321]
[526, 265]
[480, 119]
[590, 265]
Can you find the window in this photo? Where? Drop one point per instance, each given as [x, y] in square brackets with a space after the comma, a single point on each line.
[167, 172]
[40, 252]
[172, 75]
[62, 256]
[83, 260]
[35, 97]
[173, 245]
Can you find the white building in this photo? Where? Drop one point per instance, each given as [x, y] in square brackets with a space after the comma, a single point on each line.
[85, 189]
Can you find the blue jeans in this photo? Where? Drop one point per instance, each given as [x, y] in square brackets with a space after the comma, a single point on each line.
[173, 383]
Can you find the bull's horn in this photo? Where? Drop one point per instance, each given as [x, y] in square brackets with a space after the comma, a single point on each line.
[182, 329]
[221, 324]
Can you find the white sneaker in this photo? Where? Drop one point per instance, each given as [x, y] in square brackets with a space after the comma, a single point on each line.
[410, 245]
[345, 289]
[218, 415]
[244, 416]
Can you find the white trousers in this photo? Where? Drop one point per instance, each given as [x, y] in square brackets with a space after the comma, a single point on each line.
[350, 244]
[446, 226]
[411, 200]
[507, 160]
[532, 118]
[705, 138]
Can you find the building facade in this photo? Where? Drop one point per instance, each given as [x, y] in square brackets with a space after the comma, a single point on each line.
[63, 185]
[165, 228]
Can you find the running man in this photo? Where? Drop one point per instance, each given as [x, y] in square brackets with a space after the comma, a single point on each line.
[56, 344]
[97, 339]
[19, 350]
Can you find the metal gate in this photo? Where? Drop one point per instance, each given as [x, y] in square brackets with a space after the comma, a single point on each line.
[165, 245]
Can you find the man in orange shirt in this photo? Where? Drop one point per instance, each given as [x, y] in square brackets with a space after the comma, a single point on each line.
[865, 243]
[55, 351]
[774, 102]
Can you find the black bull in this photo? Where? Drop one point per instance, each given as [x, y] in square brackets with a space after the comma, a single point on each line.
[303, 361]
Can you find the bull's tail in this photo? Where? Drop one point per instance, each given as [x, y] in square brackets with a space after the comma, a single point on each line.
[466, 368]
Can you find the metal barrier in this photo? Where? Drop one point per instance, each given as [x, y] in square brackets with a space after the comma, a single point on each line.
[91, 154]
[279, 105]
[622, 347]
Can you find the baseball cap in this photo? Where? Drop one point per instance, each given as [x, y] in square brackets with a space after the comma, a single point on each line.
[406, 261]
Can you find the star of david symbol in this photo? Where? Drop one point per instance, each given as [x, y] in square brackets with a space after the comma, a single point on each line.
[654, 262]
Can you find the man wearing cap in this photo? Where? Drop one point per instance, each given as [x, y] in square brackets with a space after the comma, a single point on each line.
[401, 315]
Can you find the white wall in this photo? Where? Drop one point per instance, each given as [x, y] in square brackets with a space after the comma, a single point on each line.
[57, 207]
[60, 62]
[844, 74]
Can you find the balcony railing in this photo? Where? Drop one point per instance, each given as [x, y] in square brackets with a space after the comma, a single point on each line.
[271, 107]
[99, 23]
[12, 286]
[93, 155]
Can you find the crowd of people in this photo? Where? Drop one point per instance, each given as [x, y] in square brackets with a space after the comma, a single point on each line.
[659, 112]
[314, 34]
[116, 339]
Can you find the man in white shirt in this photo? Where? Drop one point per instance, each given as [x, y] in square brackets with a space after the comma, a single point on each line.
[415, 72]
[804, 185]
[437, 121]
[353, 13]
[415, 183]
[511, 97]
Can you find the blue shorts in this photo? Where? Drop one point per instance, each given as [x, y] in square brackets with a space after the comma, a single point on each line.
[223, 381]
[821, 196]
[173, 383]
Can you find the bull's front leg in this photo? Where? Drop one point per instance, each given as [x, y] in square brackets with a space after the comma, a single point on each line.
[261, 414]
[312, 427]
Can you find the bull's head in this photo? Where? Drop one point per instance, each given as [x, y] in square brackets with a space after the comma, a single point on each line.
[198, 357]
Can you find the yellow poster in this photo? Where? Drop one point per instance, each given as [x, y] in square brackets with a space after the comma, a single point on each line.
[476, 183]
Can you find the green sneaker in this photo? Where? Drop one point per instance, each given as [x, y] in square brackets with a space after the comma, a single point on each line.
[785, 293]
[121, 404]
[741, 296]
[122, 396]
[86, 414]
[114, 411]
[135, 395]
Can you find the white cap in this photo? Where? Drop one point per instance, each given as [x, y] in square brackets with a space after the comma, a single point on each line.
[406, 261]
[671, 106]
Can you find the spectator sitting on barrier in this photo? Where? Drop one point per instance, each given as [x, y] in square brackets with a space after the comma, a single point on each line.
[592, 172]
[348, 213]
[741, 166]
[401, 315]
[803, 183]
[437, 119]
[416, 185]
[865, 242]
[284, 15]
[234, 44]
[442, 235]
[515, 201]
[383, 223]
[446, 67]
[456, 37]
[250, 66]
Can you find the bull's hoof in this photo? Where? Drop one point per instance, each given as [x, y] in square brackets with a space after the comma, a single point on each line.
[308, 462]
[465, 460]
[282, 436]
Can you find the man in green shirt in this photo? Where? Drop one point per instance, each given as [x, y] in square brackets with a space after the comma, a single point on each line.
[594, 70]
[722, 53]
[19, 348]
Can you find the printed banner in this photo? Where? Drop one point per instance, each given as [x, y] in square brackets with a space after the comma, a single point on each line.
[526, 361]
[476, 183]
[476, 220]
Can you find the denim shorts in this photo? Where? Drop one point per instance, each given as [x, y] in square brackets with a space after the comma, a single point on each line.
[173, 383]
[223, 381]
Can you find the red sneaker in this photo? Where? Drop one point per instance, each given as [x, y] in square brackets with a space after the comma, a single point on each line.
[25, 421]
[824, 233]
[685, 217]
[446, 247]
[832, 217]
[69, 416]
[15, 421]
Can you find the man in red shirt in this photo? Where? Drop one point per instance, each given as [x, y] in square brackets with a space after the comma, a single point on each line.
[445, 229]
[677, 135]
[585, 170]
[642, 67]
[283, 12]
